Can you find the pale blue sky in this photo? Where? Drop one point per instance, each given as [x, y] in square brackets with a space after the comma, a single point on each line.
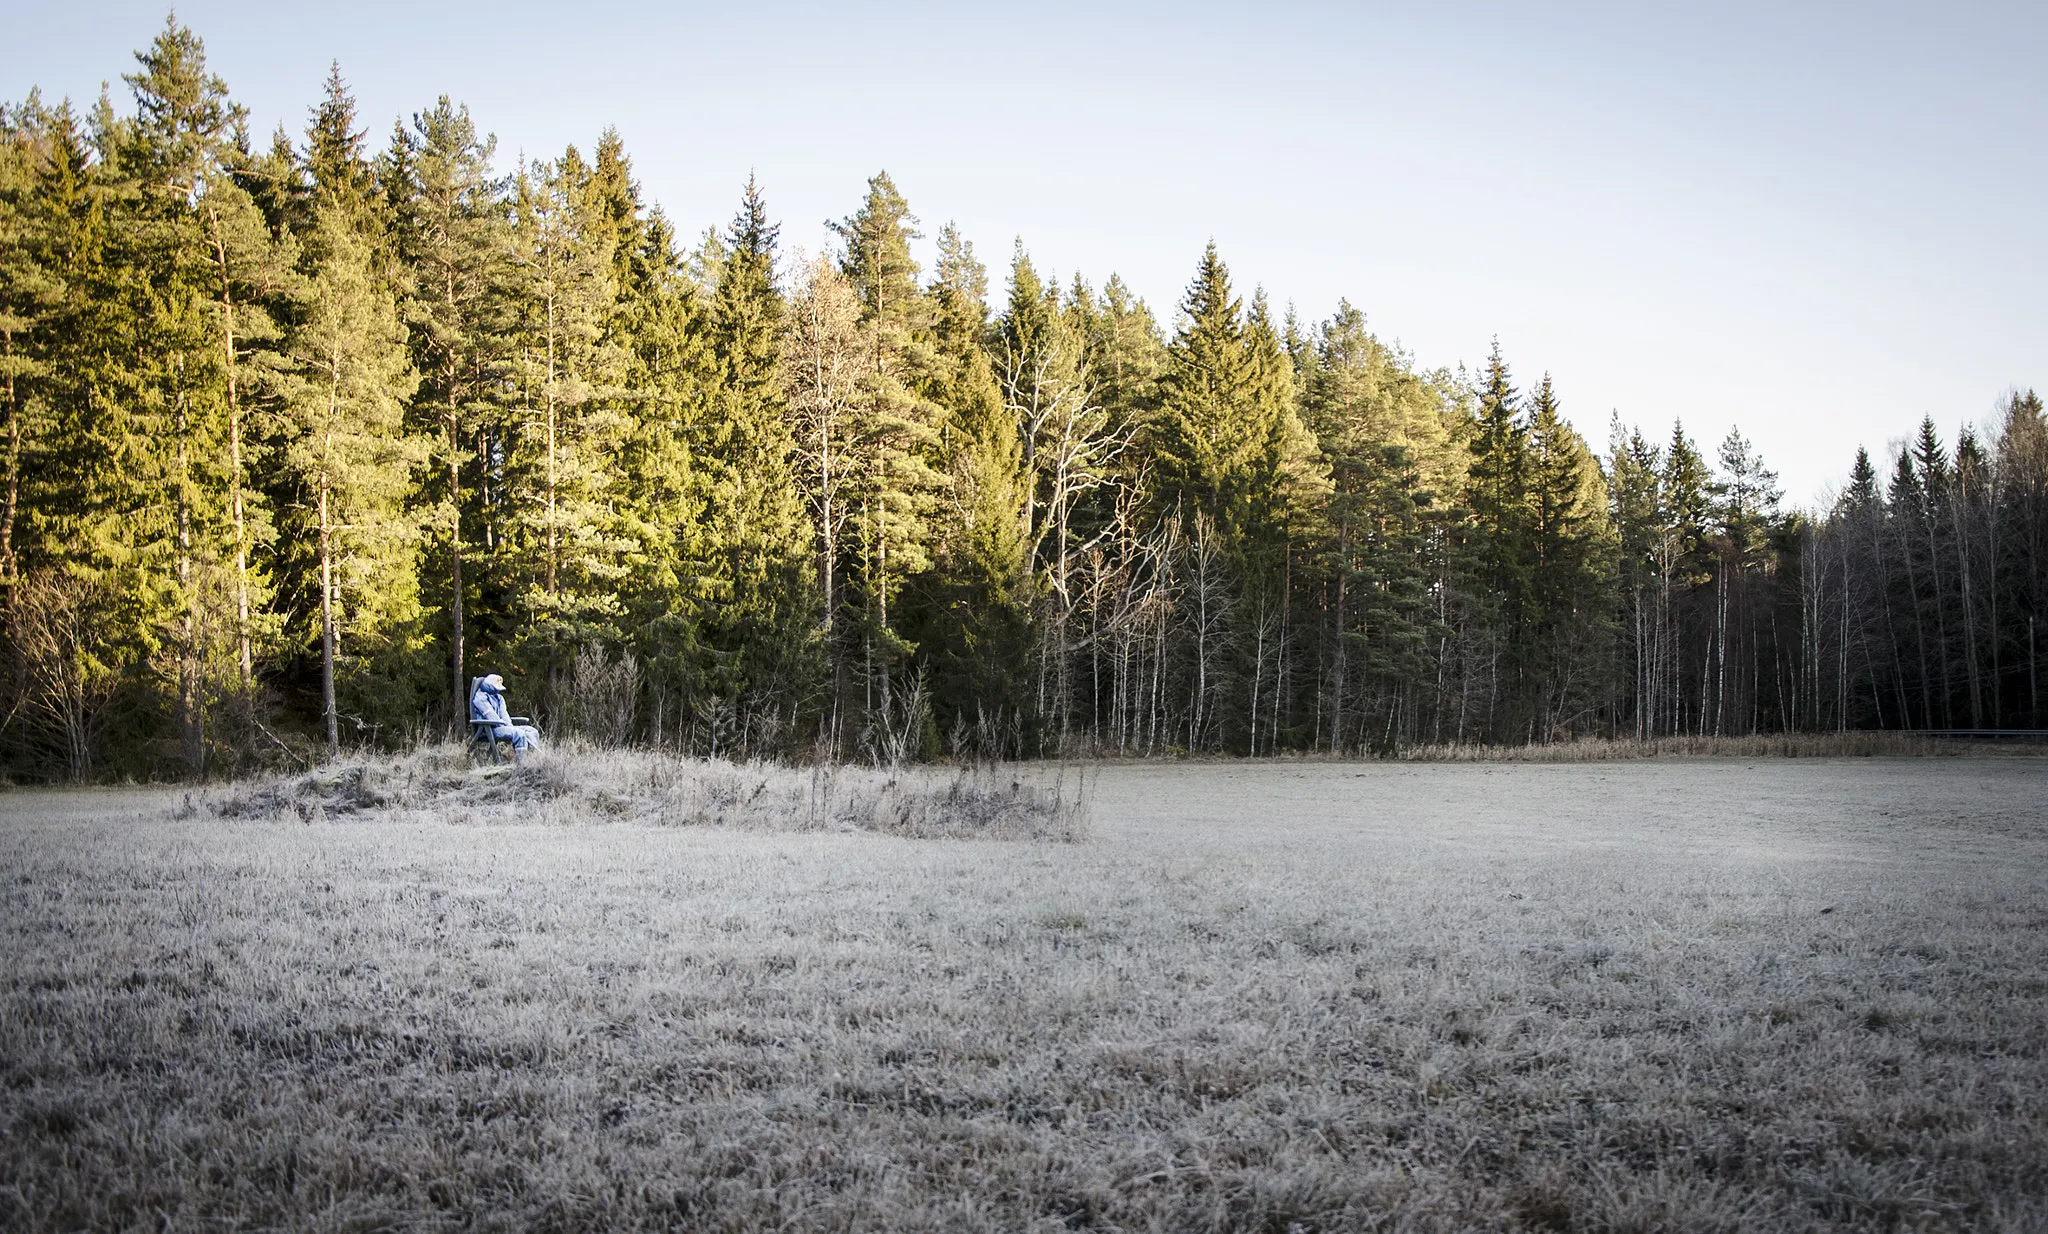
[1819, 222]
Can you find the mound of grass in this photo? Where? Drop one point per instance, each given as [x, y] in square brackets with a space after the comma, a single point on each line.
[579, 784]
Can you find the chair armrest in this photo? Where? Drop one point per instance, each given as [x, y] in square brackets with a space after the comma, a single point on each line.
[520, 720]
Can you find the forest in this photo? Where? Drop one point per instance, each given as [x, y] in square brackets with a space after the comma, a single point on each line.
[300, 436]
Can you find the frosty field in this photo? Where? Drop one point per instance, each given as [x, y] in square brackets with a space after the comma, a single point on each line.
[1705, 994]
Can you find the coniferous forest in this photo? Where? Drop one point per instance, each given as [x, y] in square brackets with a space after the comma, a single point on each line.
[300, 436]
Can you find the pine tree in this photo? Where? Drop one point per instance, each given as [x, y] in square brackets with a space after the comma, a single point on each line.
[1375, 425]
[251, 275]
[1748, 557]
[348, 450]
[1749, 495]
[562, 544]
[454, 236]
[1126, 355]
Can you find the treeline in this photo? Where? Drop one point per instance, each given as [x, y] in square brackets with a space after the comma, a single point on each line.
[299, 438]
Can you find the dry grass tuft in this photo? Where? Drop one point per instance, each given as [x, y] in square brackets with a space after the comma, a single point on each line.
[573, 784]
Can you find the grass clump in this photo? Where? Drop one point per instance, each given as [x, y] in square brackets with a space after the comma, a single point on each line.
[573, 784]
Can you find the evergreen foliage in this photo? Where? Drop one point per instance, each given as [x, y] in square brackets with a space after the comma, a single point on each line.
[297, 439]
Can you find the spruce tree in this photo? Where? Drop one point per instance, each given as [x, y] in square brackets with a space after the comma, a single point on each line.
[897, 489]
[1862, 492]
[613, 218]
[335, 158]
[1197, 443]
[1285, 480]
[1498, 486]
[454, 236]
[978, 627]
[1498, 553]
[2022, 570]
[33, 223]
[31, 295]
[1687, 488]
[758, 553]
[168, 481]
[1572, 572]
[670, 375]
[1229, 446]
[1226, 440]
[1686, 565]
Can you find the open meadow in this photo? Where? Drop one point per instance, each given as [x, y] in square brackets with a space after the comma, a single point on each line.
[1706, 994]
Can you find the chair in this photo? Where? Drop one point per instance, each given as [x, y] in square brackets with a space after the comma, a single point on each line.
[483, 734]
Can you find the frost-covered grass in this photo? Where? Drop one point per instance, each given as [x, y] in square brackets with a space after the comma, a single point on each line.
[1693, 996]
[1860, 744]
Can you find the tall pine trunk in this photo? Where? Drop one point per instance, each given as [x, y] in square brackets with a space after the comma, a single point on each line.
[327, 633]
[328, 638]
[10, 575]
[245, 658]
[455, 649]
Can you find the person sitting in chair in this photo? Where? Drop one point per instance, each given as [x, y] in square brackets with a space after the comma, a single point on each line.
[487, 706]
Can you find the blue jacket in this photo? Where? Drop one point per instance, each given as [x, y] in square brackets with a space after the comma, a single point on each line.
[488, 704]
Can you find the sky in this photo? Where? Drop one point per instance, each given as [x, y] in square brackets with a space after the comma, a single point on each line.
[1817, 223]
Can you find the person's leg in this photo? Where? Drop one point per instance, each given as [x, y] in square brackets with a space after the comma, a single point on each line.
[510, 734]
